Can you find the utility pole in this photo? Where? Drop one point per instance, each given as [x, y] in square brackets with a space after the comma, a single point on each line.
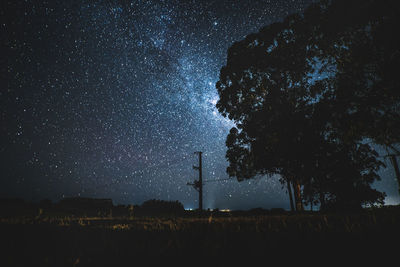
[199, 168]
[198, 184]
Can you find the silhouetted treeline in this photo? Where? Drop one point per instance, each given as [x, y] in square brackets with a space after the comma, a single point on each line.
[92, 207]
[88, 207]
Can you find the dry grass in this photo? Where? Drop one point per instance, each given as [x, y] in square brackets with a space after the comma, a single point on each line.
[96, 241]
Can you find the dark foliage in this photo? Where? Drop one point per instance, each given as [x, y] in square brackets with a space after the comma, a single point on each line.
[309, 96]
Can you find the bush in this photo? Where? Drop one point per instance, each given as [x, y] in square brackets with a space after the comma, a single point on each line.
[162, 207]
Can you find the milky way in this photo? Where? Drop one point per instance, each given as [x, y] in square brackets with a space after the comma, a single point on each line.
[111, 99]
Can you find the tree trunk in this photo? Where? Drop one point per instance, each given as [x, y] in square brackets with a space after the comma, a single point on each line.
[321, 200]
[289, 189]
[297, 194]
[396, 169]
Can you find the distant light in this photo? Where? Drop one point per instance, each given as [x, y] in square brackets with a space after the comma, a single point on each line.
[188, 208]
[225, 210]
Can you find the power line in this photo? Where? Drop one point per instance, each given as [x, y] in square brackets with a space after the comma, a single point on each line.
[218, 180]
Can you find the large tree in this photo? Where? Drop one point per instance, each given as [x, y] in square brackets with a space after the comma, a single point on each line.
[313, 131]
[260, 78]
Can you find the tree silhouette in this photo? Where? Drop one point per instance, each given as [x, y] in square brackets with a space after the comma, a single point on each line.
[262, 90]
[313, 131]
[363, 97]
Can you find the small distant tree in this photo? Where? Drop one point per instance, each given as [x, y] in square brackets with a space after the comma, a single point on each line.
[162, 206]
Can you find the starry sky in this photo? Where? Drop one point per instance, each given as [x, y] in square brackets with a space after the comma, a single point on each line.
[110, 99]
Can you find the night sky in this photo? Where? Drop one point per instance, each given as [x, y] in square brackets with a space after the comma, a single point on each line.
[110, 99]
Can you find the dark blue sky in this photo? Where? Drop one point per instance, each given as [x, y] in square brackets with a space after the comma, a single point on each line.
[111, 98]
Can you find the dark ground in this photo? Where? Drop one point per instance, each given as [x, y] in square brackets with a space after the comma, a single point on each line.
[207, 238]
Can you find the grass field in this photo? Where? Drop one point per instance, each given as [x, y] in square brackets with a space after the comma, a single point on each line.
[196, 238]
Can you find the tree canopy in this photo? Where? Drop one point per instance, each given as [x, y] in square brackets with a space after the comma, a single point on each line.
[310, 94]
